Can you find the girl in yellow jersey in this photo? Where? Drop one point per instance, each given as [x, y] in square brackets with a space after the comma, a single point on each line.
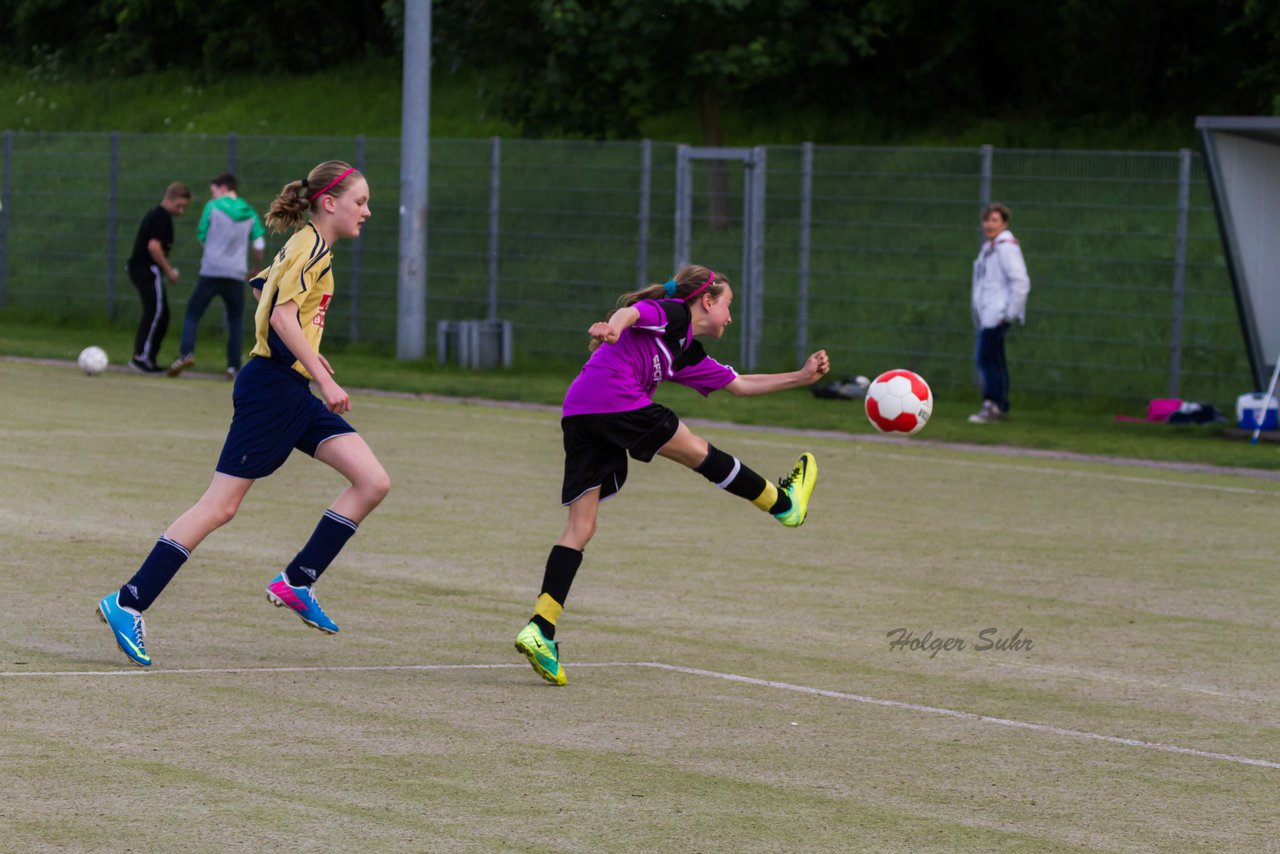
[276, 412]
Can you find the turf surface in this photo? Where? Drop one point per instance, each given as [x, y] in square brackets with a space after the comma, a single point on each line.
[1149, 598]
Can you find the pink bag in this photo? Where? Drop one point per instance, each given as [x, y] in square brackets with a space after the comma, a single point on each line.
[1161, 408]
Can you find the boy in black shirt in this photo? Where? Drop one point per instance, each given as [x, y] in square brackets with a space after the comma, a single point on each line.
[148, 267]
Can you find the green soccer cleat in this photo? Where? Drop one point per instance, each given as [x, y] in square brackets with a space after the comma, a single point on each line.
[798, 486]
[542, 652]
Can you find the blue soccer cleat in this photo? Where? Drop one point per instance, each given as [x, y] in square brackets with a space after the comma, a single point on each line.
[127, 627]
[303, 603]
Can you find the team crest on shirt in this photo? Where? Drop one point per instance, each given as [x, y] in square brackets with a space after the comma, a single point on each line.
[318, 320]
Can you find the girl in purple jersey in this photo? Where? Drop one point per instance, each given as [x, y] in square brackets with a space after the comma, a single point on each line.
[609, 414]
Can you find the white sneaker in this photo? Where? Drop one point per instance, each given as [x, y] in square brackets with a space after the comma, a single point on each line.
[989, 413]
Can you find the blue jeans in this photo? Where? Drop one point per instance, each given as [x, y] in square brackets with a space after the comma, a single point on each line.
[232, 293]
[992, 366]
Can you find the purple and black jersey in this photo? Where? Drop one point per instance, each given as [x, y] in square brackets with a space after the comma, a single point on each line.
[623, 376]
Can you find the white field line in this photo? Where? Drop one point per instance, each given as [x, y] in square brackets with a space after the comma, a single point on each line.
[692, 671]
[969, 716]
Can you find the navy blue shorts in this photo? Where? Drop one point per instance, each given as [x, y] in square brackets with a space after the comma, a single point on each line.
[275, 412]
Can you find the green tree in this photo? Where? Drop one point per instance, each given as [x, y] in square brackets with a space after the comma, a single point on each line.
[599, 68]
[128, 36]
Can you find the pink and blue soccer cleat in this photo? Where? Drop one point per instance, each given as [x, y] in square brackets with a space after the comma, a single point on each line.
[303, 602]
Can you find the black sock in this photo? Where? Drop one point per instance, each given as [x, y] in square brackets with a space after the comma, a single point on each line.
[326, 541]
[166, 558]
[731, 475]
[562, 566]
[782, 505]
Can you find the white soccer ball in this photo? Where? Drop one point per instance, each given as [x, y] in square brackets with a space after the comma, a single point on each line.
[93, 360]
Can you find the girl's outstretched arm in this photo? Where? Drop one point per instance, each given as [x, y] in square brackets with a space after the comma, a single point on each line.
[608, 332]
[751, 385]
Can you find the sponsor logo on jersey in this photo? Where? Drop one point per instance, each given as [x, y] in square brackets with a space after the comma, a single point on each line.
[318, 320]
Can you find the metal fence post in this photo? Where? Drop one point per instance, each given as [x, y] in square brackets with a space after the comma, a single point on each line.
[802, 284]
[984, 187]
[684, 206]
[642, 232]
[1179, 271]
[113, 220]
[757, 253]
[495, 170]
[415, 159]
[6, 188]
[232, 152]
[353, 328]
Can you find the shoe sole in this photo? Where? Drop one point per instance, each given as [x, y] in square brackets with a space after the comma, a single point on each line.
[538, 668]
[130, 658]
[280, 603]
[174, 370]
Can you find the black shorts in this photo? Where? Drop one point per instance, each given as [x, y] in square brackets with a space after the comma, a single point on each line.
[596, 447]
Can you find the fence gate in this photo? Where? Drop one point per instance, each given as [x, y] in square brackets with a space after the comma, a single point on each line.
[749, 286]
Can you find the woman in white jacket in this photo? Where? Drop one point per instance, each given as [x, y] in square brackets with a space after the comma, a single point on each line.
[1000, 288]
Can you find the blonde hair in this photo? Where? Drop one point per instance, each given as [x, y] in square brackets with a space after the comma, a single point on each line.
[289, 209]
[177, 190]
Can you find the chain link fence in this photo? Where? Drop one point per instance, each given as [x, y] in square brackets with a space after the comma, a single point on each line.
[868, 251]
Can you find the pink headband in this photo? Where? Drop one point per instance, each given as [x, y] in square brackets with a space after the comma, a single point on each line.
[703, 287]
[335, 182]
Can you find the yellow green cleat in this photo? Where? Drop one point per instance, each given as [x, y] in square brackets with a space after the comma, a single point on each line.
[799, 486]
[542, 652]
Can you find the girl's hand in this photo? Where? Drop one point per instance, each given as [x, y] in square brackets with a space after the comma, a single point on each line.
[603, 332]
[335, 398]
[816, 366]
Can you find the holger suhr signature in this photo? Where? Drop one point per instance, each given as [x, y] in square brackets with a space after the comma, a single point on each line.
[989, 640]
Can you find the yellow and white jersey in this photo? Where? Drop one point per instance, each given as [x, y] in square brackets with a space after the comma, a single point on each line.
[302, 272]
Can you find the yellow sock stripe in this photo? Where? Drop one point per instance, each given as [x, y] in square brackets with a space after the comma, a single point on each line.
[766, 499]
[548, 609]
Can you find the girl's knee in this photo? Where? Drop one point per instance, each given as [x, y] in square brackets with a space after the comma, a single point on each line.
[378, 485]
[584, 530]
[222, 512]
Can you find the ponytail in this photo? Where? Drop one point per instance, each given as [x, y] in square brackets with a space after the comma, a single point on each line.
[289, 209]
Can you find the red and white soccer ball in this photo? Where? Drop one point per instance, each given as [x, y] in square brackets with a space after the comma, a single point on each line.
[899, 402]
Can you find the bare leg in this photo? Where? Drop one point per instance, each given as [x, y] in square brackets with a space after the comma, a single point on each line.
[352, 458]
[685, 448]
[215, 508]
[581, 526]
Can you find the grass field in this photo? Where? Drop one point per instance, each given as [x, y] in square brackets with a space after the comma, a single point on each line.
[732, 684]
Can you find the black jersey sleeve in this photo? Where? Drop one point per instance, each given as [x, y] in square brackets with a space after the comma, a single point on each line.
[679, 316]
